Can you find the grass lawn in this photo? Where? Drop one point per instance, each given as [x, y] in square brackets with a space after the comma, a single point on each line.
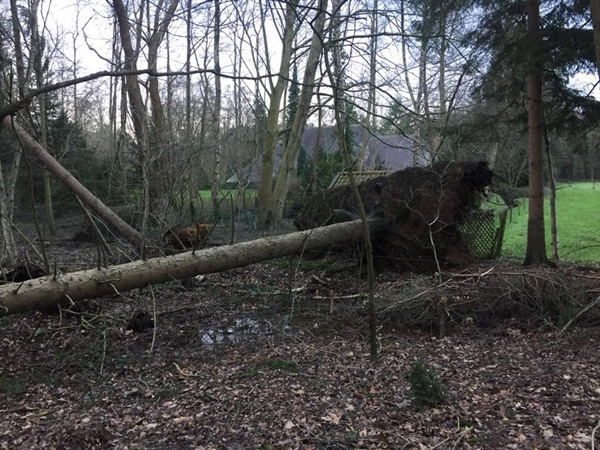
[578, 222]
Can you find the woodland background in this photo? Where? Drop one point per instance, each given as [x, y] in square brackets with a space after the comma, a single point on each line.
[195, 94]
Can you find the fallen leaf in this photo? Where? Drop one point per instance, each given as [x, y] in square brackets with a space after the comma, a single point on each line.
[547, 434]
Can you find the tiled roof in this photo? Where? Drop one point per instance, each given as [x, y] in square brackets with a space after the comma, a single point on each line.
[383, 152]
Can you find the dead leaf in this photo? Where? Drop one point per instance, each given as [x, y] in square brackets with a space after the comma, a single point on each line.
[547, 433]
[332, 418]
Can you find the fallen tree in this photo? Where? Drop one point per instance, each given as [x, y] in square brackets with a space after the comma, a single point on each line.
[421, 207]
[63, 175]
[43, 293]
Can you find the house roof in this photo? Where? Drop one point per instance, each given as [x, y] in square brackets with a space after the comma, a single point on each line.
[383, 152]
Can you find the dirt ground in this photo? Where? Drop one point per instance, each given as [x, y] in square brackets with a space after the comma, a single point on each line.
[275, 356]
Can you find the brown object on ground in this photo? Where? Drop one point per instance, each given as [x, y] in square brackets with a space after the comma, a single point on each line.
[422, 207]
[191, 236]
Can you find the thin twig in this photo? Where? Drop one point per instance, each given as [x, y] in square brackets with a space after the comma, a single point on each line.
[185, 374]
[29, 243]
[103, 351]
[462, 435]
[153, 318]
[580, 313]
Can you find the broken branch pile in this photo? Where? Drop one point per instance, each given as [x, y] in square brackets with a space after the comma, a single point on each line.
[485, 297]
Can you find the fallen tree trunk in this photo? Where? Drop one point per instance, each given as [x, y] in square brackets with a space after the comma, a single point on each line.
[422, 207]
[43, 293]
[62, 174]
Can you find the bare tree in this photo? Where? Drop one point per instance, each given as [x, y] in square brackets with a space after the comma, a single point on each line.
[287, 167]
[216, 119]
[8, 184]
[152, 156]
[37, 56]
[159, 169]
[265, 192]
[370, 121]
[338, 98]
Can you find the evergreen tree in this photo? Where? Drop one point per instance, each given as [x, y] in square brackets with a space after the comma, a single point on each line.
[67, 141]
[260, 123]
[292, 106]
[565, 47]
[544, 51]
[399, 120]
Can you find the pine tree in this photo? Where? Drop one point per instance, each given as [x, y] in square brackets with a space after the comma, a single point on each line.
[292, 106]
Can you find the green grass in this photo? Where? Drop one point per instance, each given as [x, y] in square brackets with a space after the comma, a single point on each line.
[578, 223]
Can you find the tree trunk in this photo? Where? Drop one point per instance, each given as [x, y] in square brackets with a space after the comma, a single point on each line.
[338, 101]
[42, 293]
[136, 102]
[216, 118]
[290, 156]
[312, 186]
[89, 199]
[536, 239]
[159, 168]
[370, 121]
[139, 115]
[23, 75]
[122, 143]
[268, 158]
[8, 250]
[552, 184]
[36, 54]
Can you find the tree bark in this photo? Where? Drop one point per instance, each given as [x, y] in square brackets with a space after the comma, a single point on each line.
[265, 187]
[89, 199]
[216, 118]
[136, 102]
[8, 250]
[37, 55]
[370, 120]
[338, 98]
[290, 156]
[42, 293]
[552, 185]
[159, 170]
[139, 115]
[536, 239]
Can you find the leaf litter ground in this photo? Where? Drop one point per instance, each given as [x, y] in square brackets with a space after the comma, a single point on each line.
[257, 358]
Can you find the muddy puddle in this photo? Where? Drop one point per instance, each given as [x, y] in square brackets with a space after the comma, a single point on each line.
[240, 330]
